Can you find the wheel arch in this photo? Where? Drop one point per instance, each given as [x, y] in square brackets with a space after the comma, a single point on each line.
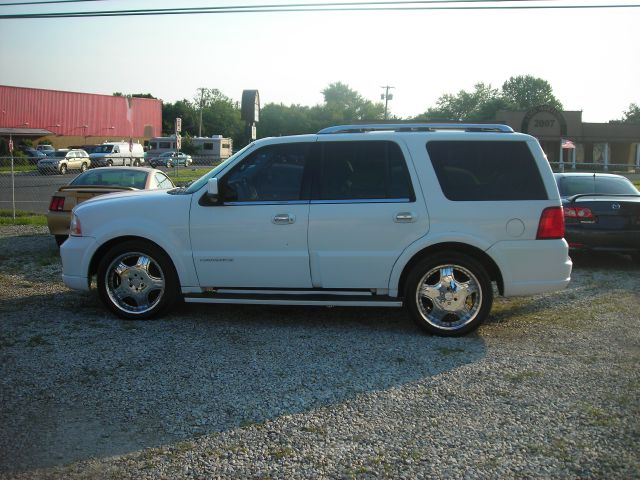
[487, 262]
[105, 247]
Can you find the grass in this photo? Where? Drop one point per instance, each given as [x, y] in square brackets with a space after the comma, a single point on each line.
[22, 218]
[184, 175]
[6, 169]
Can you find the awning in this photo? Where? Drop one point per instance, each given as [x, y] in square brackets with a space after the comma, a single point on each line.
[24, 132]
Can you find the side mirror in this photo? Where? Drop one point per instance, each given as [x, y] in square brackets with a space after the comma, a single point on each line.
[212, 187]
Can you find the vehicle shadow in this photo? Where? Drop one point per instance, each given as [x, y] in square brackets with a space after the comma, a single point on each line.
[79, 383]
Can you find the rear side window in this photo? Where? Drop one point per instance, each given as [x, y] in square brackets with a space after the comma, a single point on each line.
[486, 170]
[364, 170]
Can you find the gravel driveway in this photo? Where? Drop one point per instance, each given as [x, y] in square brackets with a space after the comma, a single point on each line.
[548, 388]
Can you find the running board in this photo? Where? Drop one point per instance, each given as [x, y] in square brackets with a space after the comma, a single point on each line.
[298, 298]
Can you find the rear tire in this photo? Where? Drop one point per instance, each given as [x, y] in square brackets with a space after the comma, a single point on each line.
[137, 280]
[449, 294]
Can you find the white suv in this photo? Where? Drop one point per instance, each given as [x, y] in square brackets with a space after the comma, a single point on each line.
[427, 215]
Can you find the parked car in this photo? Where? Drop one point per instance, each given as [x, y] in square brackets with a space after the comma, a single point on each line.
[98, 182]
[60, 161]
[601, 212]
[33, 154]
[169, 159]
[45, 148]
[117, 153]
[425, 215]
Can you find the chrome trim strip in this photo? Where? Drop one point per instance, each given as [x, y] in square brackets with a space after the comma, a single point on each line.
[362, 200]
[291, 202]
[360, 293]
[342, 303]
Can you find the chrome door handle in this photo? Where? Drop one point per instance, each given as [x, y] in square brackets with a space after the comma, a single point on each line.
[404, 217]
[283, 219]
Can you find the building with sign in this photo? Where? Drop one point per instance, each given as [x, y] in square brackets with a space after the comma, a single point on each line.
[571, 143]
[71, 118]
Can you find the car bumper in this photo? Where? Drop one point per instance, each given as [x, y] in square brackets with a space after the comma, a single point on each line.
[58, 222]
[605, 240]
[532, 266]
[76, 255]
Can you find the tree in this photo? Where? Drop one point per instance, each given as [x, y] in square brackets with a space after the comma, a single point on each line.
[343, 105]
[479, 105]
[632, 115]
[526, 91]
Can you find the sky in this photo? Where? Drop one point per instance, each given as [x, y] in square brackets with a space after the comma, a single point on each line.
[590, 57]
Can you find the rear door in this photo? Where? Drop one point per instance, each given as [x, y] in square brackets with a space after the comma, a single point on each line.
[363, 212]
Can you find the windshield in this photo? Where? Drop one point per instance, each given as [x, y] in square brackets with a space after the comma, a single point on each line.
[56, 154]
[103, 149]
[570, 186]
[116, 178]
[198, 184]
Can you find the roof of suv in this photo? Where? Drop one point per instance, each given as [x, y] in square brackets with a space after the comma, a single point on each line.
[417, 127]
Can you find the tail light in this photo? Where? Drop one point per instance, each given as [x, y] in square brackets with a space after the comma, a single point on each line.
[579, 213]
[75, 229]
[57, 204]
[551, 225]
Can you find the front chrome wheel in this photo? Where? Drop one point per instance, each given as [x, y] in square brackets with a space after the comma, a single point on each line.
[135, 282]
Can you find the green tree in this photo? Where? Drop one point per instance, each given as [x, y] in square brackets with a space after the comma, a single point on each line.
[479, 105]
[526, 91]
[632, 115]
[343, 105]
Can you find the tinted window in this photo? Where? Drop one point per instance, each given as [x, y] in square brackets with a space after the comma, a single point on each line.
[272, 173]
[570, 186]
[363, 170]
[486, 171]
[207, 146]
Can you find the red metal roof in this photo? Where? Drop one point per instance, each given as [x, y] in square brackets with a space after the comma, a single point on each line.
[79, 114]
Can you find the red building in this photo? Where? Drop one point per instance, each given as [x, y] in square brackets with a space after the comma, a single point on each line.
[71, 118]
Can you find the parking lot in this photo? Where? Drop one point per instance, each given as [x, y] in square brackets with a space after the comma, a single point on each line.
[547, 388]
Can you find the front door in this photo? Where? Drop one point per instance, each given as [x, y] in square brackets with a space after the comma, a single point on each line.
[256, 236]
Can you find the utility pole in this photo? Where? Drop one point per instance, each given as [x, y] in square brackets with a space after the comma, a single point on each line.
[386, 96]
[201, 99]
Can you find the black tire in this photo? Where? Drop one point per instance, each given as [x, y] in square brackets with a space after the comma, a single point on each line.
[83, 167]
[63, 169]
[109, 163]
[60, 239]
[152, 284]
[449, 294]
[136, 163]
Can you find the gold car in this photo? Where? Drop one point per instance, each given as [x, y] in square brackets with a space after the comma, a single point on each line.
[98, 182]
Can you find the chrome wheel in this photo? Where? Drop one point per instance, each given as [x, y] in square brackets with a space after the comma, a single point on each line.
[135, 283]
[63, 169]
[83, 167]
[449, 297]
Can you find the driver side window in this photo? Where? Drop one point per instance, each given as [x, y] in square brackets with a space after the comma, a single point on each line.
[271, 174]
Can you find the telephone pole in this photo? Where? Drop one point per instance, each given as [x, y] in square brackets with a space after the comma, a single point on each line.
[386, 96]
[201, 99]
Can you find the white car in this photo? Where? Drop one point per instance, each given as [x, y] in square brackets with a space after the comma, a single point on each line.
[424, 215]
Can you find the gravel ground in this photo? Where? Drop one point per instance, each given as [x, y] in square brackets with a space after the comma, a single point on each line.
[549, 387]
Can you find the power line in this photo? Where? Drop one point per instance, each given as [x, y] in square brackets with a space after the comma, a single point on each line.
[46, 3]
[320, 7]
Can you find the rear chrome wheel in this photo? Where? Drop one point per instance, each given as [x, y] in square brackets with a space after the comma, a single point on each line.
[449, 294]
[136, 280]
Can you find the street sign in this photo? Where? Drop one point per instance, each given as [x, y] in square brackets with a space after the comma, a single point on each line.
[178, 142]
[178, 125]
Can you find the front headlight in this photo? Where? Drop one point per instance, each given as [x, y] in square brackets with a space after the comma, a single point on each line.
[75, 229]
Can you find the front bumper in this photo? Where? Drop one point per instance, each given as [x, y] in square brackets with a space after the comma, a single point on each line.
[76, 254]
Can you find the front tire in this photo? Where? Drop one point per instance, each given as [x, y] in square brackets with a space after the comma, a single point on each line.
[449, 294]
[63, 169]
[137, 280]
[83, 167]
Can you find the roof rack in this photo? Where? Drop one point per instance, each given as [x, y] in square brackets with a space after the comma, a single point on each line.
[417, 127]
